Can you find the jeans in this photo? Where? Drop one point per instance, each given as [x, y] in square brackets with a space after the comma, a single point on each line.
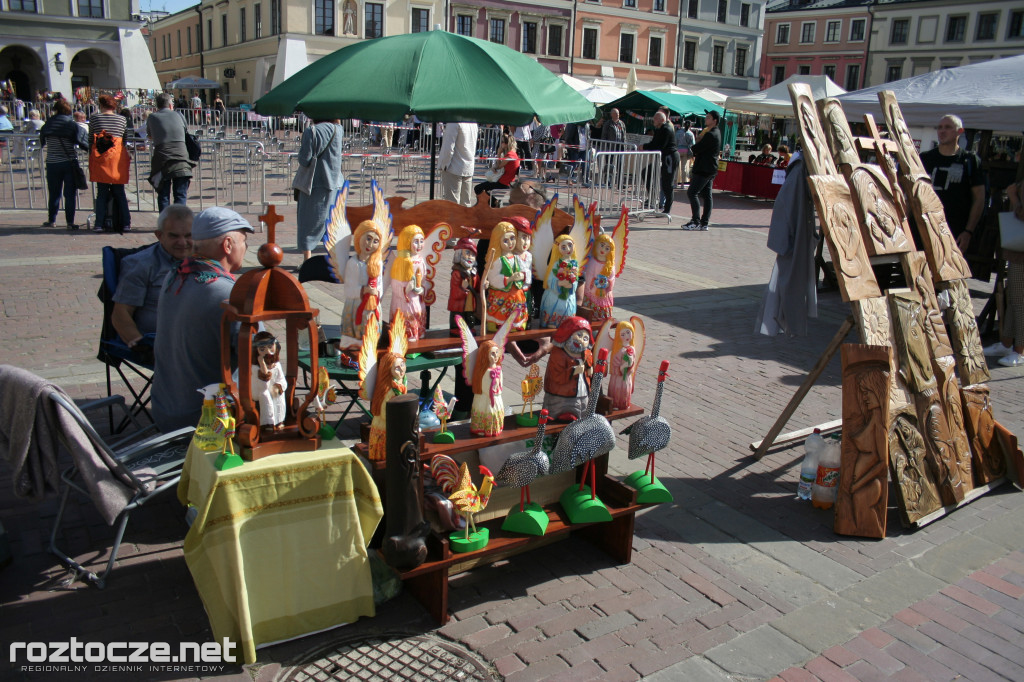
[121, 218]
[163, 195]
[700, 189]
[668, 174]
[61, 176]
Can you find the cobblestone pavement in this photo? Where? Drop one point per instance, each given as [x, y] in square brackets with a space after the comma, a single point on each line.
[733, 581]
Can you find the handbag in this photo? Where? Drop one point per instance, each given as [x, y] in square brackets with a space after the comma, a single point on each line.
[81, 182]
[192, 146]
[1011, 232]
[303, 181]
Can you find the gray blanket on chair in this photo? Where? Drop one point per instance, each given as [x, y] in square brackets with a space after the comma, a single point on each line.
[33, 431]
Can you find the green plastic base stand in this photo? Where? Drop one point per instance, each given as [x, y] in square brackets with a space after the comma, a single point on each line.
[581, 508]
[327, 432]
[478, 540]
[533, 520]
[527, 420]
[444, 437]
[227, 461]
[647, 492]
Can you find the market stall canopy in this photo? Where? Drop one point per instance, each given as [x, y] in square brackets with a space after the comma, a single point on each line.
[599, 94]
[435, 75]
[193, 82]
[712, 96]
[574, 83]
[673, 89]
[649, 100]
[775, 101]
[988, 96]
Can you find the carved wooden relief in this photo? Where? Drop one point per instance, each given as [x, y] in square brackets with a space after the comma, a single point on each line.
[966, 340]
[919, 279]
[837, 133]
[952, 405]
[939, 447]
[910, 161]
[915, 478]
[816, 153]
[1011, 452]
[880, 220]
[872, 315]
[884, 151]
[988, 461]
[908, 324]
[839, 222]
[863, 483]
[938, 243]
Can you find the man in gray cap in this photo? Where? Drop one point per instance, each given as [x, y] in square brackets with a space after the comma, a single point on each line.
[187, 349]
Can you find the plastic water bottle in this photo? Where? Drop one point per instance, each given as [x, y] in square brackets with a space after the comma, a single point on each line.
[809, 468]
[826, 483]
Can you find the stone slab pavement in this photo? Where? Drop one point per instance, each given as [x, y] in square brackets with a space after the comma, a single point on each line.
[735, 580]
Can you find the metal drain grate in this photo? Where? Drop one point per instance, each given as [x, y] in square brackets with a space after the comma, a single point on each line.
[387, 658]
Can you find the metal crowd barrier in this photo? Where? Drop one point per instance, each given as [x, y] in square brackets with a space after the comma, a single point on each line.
[630, 178]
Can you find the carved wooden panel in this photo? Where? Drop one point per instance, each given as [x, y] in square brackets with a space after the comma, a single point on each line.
[880, 219]
[873, 328]
[916, 481]
[908, 324]
[1011, 451]
[966, 340]
[937, 241]
[837, 133]
[988, 461]
[952, 405]
[816, 153]
[939, 447]
[863, 474]
[839, 222]
[910, 161]
[919, 279]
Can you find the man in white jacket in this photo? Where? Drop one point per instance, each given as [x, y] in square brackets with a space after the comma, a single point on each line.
[456, 159]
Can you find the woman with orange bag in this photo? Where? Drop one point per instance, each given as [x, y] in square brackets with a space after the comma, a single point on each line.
[109, 164]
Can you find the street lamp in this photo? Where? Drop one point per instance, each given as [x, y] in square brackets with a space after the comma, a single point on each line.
[58, 63]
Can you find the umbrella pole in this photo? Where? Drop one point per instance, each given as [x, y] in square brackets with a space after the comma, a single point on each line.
[433, 158]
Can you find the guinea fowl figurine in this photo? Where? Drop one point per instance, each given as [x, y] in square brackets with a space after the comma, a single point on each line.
[519, 471]
[579, 443]
[647, 436]
[466, 498]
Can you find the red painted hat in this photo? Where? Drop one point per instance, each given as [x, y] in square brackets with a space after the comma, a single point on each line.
[520, 223]
[465, 244]
[570, 326]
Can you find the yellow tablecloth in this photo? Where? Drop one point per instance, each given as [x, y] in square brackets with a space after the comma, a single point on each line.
[278, 548]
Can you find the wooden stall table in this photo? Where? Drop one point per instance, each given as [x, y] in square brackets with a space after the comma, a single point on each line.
[278, 548]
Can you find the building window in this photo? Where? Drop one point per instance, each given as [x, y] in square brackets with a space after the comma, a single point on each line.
[464, 25]
[782, 34]
[741, 62]
[179, 43]
[497, 34]
[245, 85]
[555, 41]
[420, 20]
[829, 70]
[900, 29]
[1016, 25]
[89, 8]
[209, 33]
[832, 31]
[530, 37]
[987, 26]
[857, 30]
[745, 14]
[893, 72]
[780, 75]
[852, 77]
[223, 29]
[23, 6]
[659, 5]
[804, 70]
[690, 55]
[589, 43]
[723, 10]
[629, 3]
[275, 17]
[257, 21]
[626, 41]
[807, 32]
[956, 27]
[188, 39]
[717, 58]
[374, 24]
[691, 9]
[654, 51]
[241, 24]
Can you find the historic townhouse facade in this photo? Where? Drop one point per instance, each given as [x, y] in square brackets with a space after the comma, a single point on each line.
[535, 27]
[720, 44]
[176, 45]
[611, 37]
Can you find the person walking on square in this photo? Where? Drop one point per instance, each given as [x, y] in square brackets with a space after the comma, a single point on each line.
[705, 166]
[171, 166]
[321, 147]
[60, 135]
[684, 141]
[109, 165]
[957, 179]
[664, 141]
[456, 159]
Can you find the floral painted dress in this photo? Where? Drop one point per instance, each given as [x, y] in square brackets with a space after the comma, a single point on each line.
[487, 415]
[620, 381]
[597, 290]
[505, 297]
[559, 300]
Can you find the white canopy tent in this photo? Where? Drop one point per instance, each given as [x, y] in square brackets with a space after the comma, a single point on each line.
[988, 96]
[712, 96]
[775, 101]
[602, 94]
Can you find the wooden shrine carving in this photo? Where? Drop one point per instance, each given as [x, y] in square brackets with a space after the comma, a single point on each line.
[919, 279]
[966, 339]
[988, 461]
[863, 483]
[842, 233]
[911, 341]
[952, 406]
[913, 474]
[816, 153]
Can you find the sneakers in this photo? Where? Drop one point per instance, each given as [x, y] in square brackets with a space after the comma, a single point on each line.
[98, 227]
[72, 226]
[1012, 359]
[696, 226]
[703, 227]
[48, 225]
[998, 350]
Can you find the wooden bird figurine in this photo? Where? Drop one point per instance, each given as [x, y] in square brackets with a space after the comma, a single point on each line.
[647, 436]
[466, 497]
[522, 468]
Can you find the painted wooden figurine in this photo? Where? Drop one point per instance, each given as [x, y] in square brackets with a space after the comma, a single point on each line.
[465, 281]
[647, 436]
[625, 341]
[268, 381]
[466, 498]
[481, 366]
[561, 278]
[567, 377]
[603, 264]
[408, 273]
[383, 379]
[524, 239]
[503, 281]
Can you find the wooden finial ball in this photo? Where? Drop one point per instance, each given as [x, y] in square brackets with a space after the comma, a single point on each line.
[270, 255]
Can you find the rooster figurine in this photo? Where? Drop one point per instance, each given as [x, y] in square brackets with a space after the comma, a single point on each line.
[580, 443]
[647, 436]
[519, 471]
[467, 499]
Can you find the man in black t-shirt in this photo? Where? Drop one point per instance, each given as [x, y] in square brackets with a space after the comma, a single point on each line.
[705, 166]
[958, 180]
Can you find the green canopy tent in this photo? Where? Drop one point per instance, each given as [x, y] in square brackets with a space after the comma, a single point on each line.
[435, 75]
[639, 105]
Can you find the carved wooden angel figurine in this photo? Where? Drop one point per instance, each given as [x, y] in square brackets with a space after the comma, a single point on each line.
[481, 367]
[563, 272]
[464, 284]
[603, 264]
[268, 380]
[625, 341]
[524, 240]
[383, 379]
[407, 280]
[503, 281]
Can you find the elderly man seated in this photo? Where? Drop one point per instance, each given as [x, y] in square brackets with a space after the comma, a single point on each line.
[143, 273]
[189, 317]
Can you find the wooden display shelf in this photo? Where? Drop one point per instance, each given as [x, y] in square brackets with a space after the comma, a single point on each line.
[429, 581]
[442, 339]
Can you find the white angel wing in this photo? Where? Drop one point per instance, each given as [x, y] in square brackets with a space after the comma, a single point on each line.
[368, 358]
[605, 337]
[543, 237]
[639, 340]
[433, 246]
[620, 236]
[338, 235]
[469, 349]
[502, 335]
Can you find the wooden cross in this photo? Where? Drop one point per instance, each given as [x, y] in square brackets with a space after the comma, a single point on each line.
[271, 218]
[883, 149]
